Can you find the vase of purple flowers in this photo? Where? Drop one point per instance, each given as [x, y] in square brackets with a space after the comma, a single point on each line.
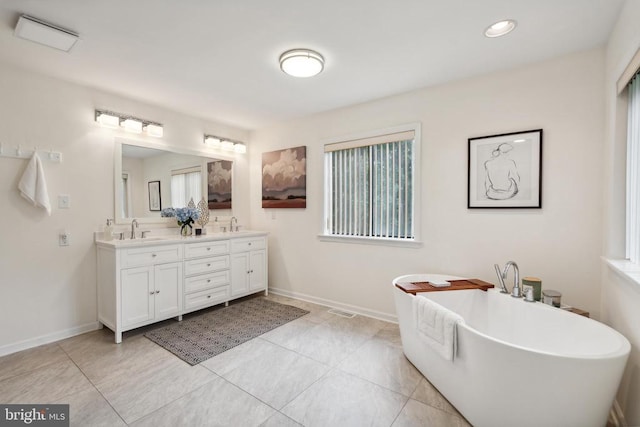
[185, 218]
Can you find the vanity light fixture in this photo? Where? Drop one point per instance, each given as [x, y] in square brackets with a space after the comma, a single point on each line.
[225, 144]
[39, 31]
[500, 28]
[301, 62]
[128, 123]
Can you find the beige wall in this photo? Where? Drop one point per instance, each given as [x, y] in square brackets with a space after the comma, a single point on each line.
[561, 243]
[620, 296]
[48, 292]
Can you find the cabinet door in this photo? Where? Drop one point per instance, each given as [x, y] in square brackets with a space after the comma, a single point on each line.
[240, 273]
[168, 290]
[257, 262]
[136, 295]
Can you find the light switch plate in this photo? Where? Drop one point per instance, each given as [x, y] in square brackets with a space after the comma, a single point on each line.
[64, 201]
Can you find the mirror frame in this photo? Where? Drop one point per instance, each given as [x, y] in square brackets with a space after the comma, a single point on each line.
[117, 156]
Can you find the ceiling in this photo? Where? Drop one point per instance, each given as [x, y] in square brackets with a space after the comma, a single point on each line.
[218, 59]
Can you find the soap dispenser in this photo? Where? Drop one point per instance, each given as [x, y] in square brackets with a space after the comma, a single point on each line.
[108, 230]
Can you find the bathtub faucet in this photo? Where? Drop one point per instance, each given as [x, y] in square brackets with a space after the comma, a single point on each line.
[515, 292]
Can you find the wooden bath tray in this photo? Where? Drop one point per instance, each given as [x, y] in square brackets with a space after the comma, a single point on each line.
[456, 285]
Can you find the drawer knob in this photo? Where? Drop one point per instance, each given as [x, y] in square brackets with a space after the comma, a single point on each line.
[249, 243]
[208, 265]
[208, 280]
[154, 255]
[208, 249]
[208, 296]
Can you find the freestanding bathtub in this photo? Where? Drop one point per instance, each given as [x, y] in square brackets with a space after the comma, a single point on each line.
[518, 364]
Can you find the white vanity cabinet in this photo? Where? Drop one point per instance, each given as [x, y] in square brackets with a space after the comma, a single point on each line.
[248, 265]
[150, 293]
[141, 282]
[138, 286]
[207, 277]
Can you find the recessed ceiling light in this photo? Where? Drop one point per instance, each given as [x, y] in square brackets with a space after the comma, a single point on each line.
[500, 28]
[36, 30]
[301, 62]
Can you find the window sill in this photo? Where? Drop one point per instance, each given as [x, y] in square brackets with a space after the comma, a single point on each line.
[370, 241]
[625, 268]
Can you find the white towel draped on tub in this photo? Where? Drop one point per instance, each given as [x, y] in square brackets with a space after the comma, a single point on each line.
[33, 185]
[436, 326]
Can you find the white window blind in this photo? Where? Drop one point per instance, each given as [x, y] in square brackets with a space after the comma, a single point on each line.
[633, 175]
[186, 184]
[370, 187]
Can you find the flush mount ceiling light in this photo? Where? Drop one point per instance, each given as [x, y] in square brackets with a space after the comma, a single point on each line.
[301, 62]
[113, 120]
[500, 28]
[36, 30]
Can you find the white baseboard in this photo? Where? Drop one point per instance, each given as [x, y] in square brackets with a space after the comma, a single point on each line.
[335, 304]
[49, 338]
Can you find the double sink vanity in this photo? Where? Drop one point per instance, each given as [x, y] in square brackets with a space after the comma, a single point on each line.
[143, 281]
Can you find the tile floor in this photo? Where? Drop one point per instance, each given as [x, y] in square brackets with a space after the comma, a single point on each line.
[319, 370]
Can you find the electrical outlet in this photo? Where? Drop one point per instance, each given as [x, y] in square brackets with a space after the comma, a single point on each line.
[64, 238]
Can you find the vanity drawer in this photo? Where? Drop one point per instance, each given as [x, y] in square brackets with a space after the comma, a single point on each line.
[207, 298]
[206, 265]
[206, 281]
[196, 250]
[248, 244]
[136, 257]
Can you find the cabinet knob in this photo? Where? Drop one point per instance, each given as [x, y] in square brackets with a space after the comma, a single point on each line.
[157, 292]
[252, 271]
[249, 243]
[208, 296]
[248, 272]
[151, 293]
[208, 249]
[208, 280]
[208, 265]
[154, 255]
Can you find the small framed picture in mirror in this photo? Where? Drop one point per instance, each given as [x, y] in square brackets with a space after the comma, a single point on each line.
[155, 203]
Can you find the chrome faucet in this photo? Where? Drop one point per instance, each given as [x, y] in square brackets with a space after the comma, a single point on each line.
[233, 218]
[134, 225]
[516, 291]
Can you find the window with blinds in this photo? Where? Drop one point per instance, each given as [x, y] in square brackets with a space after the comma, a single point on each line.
[186, 184]
[633, 171]
[370, 187]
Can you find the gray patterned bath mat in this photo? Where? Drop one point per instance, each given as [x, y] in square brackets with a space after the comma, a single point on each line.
[205, 335]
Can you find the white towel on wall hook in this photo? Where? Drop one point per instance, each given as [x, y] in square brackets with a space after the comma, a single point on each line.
[33, 184]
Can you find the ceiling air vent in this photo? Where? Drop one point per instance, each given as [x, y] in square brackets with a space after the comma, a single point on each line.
[36, 30]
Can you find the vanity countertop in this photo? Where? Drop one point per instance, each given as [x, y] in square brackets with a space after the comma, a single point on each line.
[175, 238]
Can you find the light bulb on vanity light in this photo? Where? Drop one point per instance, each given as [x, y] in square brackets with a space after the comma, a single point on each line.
[227, 145]
[132, 125]
[107, 120]
[154, 130]
[212, 141]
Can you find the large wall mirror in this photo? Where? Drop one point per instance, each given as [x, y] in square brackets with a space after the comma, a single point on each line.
[151, 177]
